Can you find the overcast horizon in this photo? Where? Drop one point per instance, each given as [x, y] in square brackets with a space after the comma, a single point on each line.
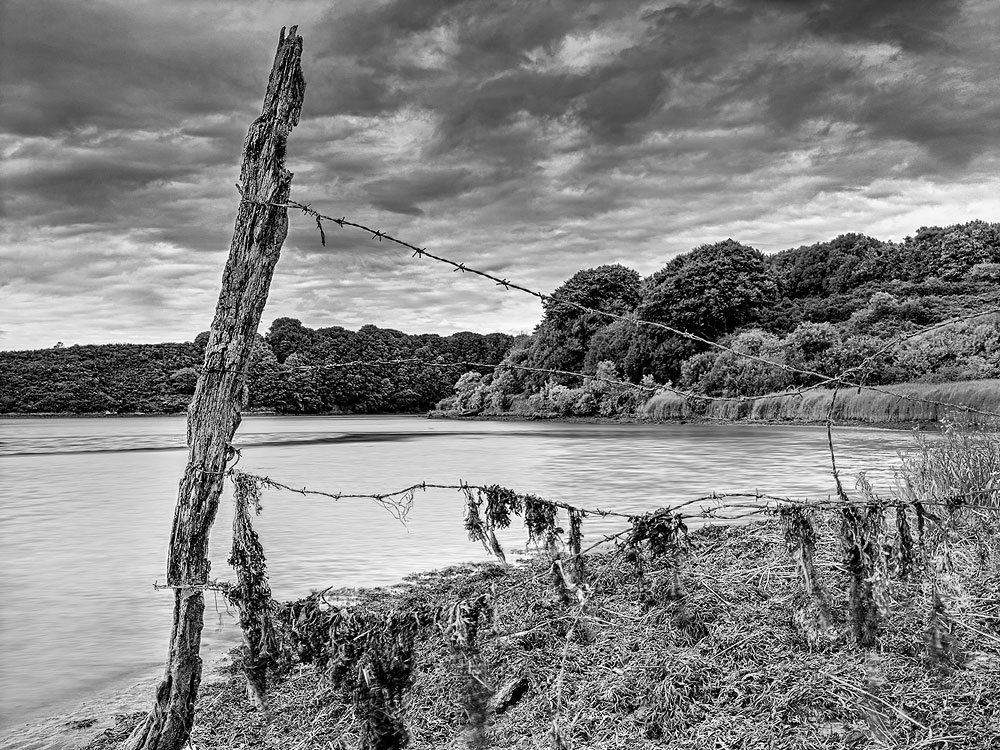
[531, 140]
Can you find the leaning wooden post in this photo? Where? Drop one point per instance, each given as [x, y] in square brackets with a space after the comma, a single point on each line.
[214, 413]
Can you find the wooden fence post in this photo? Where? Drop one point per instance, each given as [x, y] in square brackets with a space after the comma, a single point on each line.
[220, 395]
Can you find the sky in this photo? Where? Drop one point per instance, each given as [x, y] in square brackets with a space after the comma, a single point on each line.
[528, 139]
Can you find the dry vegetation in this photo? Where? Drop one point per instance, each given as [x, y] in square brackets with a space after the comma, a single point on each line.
[814, 406]
[733, 637]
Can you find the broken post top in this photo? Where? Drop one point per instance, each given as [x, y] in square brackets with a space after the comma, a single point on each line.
[286, 87]
[263, 177]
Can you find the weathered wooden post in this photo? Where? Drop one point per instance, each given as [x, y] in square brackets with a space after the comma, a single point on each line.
[214, 413]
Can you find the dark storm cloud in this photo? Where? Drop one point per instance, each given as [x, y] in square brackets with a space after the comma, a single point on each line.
[403, 194]
[114, 66]
[912, 25]
[753, 57]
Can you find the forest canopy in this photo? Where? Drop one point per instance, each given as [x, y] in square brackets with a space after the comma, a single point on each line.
[825, 308]
[289, 372]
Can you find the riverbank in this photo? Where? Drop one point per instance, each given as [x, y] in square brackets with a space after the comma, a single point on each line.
[692, 419]
[903, 403]
[899, 406]
[722, 655]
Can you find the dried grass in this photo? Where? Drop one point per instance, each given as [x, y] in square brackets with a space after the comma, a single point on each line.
[751, 677]
[866, 406]
[816, 630]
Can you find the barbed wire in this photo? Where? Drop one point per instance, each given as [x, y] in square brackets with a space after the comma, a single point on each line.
[723, 501]
[382, 497]
[771, 501]
[823, 379]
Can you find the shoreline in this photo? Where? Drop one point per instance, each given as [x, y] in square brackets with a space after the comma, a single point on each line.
[74, 725]
[510, 417]
[900, 425]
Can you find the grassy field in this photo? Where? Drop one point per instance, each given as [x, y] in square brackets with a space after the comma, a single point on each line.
[851, 405]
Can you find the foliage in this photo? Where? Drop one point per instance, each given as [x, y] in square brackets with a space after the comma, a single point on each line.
[861, 535]
[728, 374]
[98, 378]
[707, 292]
[289, 372]
[825, 308]
[710, 290]
[563, 338]
[961, 466]
[888, 405]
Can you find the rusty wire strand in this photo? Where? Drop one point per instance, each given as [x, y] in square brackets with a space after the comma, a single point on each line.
[824, 502]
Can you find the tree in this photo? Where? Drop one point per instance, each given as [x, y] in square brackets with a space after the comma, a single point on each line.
[266, 383]
[834, 267]
[287, 336]
[184, 380]
[564, 335]
[707, 293]
[610, 288]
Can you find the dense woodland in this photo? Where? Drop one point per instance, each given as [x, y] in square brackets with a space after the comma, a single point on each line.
[823, 307]
[156, 378]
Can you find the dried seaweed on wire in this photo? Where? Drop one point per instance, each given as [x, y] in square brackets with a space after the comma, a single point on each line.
[575, 544]
[478, 530]
[903, 552]
[540, 519]
[800, 539]
[501, 502]
[860, 537]
[251, 594]
[662, 533]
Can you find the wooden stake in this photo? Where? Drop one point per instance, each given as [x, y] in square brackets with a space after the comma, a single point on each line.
[220, 395]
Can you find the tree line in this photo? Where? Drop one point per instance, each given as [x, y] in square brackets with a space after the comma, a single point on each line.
[824, 307]
[287, 373]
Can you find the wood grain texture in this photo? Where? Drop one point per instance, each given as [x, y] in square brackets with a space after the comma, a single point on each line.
[214, 413]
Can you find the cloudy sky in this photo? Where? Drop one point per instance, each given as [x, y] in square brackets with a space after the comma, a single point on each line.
[530, 139]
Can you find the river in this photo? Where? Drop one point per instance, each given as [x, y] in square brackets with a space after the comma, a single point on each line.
[86, 506]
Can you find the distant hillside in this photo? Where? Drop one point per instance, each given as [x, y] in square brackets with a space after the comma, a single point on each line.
[160, 378]
[826, 307]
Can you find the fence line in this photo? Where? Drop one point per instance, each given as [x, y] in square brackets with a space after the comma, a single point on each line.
[823, 379]
[779, 501]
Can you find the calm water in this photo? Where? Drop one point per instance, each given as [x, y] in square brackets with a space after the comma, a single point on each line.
[86, 506]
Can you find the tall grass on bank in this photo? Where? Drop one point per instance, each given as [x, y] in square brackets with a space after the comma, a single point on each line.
[960, 466]
[851, 405]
